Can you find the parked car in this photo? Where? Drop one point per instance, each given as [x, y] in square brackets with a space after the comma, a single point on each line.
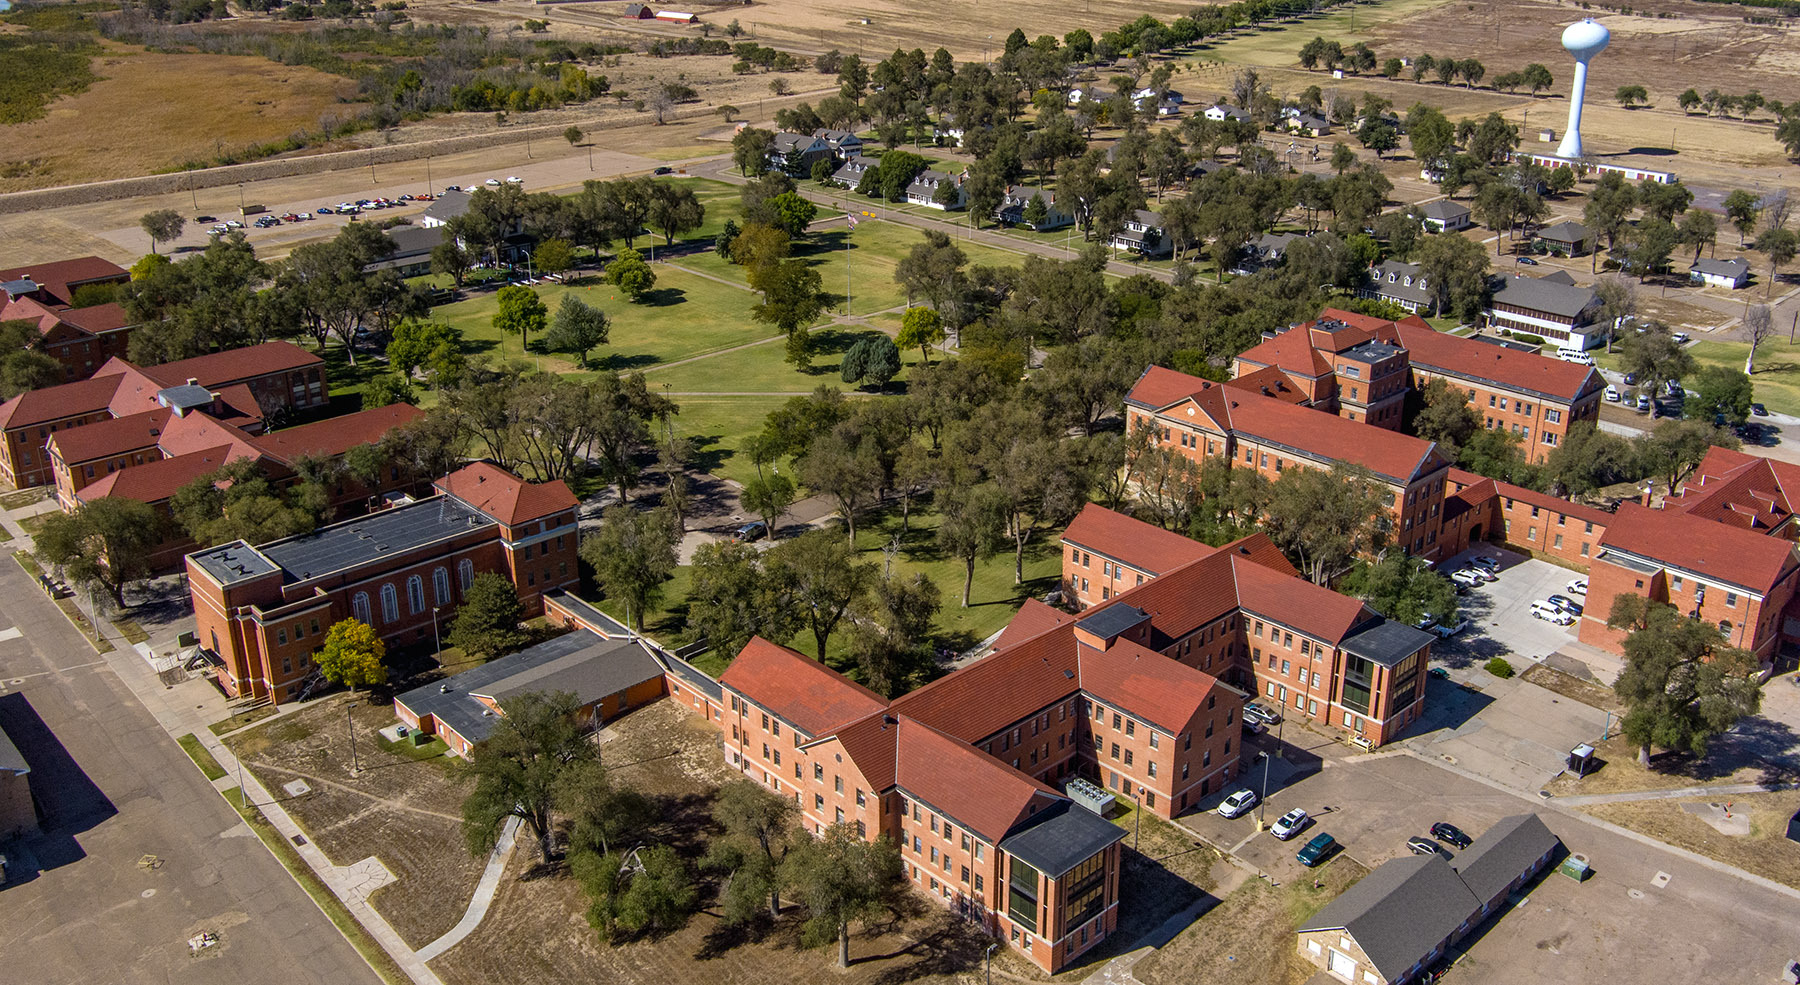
[1441, 673]
[1567, 604]
[1238, 804]
[1253, 726]
[1420, 845]
[1613, 395]
[664, 169]
[1682, 338]
[1260, 715]
[492, 182]
[754, 530]
[324, 210]
[1527, 261]
[1445, 632]
[515, 180]
[1446, 832]
[1576, 587]
[1643, 403]
[208, 218]
[1317, 850]
[1484, 561]
[1484, 573]
[1675, 389]
[1289, 824]
[453, 188]
[233, 223]
[1759, 410]
[1467, 578]
[1631, 379]
[1550, 612]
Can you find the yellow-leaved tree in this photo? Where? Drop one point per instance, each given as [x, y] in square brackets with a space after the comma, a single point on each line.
[353, 655]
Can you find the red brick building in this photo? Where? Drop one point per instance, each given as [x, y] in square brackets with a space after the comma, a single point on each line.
[1361, 368]
[1482, 509]
[263, 610]
[74, 327]
[1199, 419]
[240, 387]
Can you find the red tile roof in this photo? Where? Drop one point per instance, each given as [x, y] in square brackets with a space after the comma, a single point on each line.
[806, 694]
[1033, 617]
[1701, 547]
[1312, 609]
[103, 439]
[1133, 542]
[57, 275]
[870, 744]
[1362, 327]
[27, 309]
[215, 369]
[1159, 387]
[1162, 691]
[98, 318]
[154, 482]
[943, 772]
[1329, 437]
[1290, 351]
[1269, 381]
[54, 403]
[1437, 352]
[1741, 490]
[991, 694]
[1568, 508]
[1259, 548]
[196, 430]
[504, 496]
[337, 435]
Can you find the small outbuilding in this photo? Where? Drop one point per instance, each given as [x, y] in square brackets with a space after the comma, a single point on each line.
[639, 12]
[1444, 216]
[1564, 239]
[677, 16]
[1733, 273]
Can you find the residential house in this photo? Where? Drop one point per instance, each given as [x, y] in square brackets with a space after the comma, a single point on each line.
[1403, 284]
[1401, 919]
[1444, 216]
[930, 185]
[1352, 670]
[844, 143]
[1013, 204]
[1168, 103]
[795, 153]
[1553, 308]
[412, 250]
[1733, 273]
[1308, 124]
[1220, 112]
[246, 386]
[851, 172]
[515, 242]
[262, 611]
[445, 207]
[1564, 239]
[1251, 429]
[1143, 234]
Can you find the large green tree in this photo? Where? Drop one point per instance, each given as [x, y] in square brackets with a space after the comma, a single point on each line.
[1684, 680]
[840, 878]
[523, 766]
[520, 312]
[825, 575]
[1403, 588]
[632, 554]
[758, 834]
[578, 328]
[353, 655]
[104, 542]
[736, 595]
[487, 623]
[239, 502]
[1323, 519]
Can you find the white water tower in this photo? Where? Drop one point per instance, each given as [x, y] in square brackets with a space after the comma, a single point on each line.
[1583, 40]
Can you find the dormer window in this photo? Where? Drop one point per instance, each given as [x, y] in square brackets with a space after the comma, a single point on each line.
[1409, 282]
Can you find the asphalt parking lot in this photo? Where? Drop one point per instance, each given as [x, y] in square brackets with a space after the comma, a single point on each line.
[1625, 923]
[1500, 612]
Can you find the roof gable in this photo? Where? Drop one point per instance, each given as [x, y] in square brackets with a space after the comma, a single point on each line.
[804, 692]
[1701, 547]
[1130, 541]
[504, 496]
[941, 771]
[1440, 352]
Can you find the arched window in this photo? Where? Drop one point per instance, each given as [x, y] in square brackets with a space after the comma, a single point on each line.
[359, 608]
[440, 585]
[1725, 627]
[465, 573]
[390, 603]
[415, 594]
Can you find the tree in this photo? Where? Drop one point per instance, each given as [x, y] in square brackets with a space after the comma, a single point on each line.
[759, 833]
[1441, 413]
[674, 209]
[1650, 246]
[873, 359]
[1402, 588]
[633, 553]
[630, 274]
[162, 226]
[890, 629]
[792, 300]
[825, 576]
[1741, 208]
[1378, 135]
[1683, 681]
[973, 528]
[1609, 209]
[572, 135]
[520, 312]
[449, 258]
[1655, 357]
[1675, 449]
[921, 327]
[1430, 135]
[841, 878]
[1618, 301]
[1537, 78]
[792, 214]
[1664, 199]
[104, 542]
[1588, 459]
[768, 497]
[750, 149]
[578, 328]
[487, 623]
[736, 595]
[353, 655]
[1629, 96]
[1322, 520]
[1697, 229]
[1779, 245]
[846, 467]
[1718, 391]
[523, 766]
[553, 256]
[1457, 269]
[239, 502]
[1688, 99]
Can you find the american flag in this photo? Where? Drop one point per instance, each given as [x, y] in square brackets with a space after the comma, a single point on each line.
[851, 216]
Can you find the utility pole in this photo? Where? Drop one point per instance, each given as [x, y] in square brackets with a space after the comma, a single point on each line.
[428, 183]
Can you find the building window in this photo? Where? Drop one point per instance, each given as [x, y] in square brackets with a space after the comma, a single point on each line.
[465, 573]
[440, 585]
[359, 608]
[281, 637]
[415, 594]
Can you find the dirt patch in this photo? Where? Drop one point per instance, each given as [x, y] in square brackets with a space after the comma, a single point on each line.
[1248, 939]
[405, 812]
[1570, 686]
[1622, 773]
[1765, 851]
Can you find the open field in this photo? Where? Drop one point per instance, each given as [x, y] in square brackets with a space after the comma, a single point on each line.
[1765, 851]
[150, 111]
[403, 811]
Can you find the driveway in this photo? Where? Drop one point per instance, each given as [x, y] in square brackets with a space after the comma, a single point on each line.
[1511, 731]
[1500, 611]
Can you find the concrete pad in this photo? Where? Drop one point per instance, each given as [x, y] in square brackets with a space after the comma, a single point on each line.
[1719, 816]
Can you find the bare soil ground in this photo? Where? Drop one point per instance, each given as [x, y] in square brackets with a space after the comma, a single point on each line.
[1570, 686]
[152, 111]
[1765, 851]
[1248, 939]
[403, 811]
[1667, 771]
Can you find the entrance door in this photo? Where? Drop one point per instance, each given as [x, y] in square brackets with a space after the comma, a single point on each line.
[1342, 965]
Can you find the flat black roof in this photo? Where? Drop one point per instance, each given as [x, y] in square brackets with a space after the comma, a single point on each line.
[233, 562]
[1061, 838]
[390, 531]
[1387, 642]
[1372, 351]
[1113, 620]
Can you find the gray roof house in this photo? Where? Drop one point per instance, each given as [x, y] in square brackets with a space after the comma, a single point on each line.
[844, 142]
[853, 168]
[1404, 916]
[1444, 215]
[1012, 209]
[796, 152]
[1402, 283]
[1733, 273]
[1570, 239]
[1225, 111]
[447, 206]
[1552, 307]
[1143, 234]
[924, 190]
[412, 250]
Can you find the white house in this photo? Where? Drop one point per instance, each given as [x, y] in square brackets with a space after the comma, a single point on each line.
[1310, 124]
[842, 142]
[1219, 112]
[1733, 273]
[1444, 215]
[1402, 283]
[924, 190]
[796, 152]
[1012, 209]
[1169, 105]
[851, 172]
[1553, 307]
[1143, 234]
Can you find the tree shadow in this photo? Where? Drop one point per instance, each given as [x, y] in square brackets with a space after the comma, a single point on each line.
[663, 297]
[621, 362]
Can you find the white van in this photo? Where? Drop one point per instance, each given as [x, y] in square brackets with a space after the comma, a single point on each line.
[1551, 612]
[1575, 356]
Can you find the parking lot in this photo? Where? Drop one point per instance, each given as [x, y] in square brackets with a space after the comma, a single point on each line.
[1626, 922]
[1500, 612]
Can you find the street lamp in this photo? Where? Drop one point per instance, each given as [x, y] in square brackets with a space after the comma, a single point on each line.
[436, 640]
[990, 963]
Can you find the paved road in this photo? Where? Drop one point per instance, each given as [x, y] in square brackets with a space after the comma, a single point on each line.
[116, 788]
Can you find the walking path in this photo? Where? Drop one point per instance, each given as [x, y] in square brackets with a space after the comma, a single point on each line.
[484, 895]
[1680, 793]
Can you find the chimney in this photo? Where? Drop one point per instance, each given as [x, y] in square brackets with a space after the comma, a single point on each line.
[192, 381]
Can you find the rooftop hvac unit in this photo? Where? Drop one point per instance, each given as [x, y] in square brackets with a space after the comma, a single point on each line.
[1088, 795]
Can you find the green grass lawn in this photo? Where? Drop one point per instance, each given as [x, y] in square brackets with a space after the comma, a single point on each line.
[719, 426]
[993, 596]
[764, 368]
[203, 759]
[1777, 379]
[1279, 44]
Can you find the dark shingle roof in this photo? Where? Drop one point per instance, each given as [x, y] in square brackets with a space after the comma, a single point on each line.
[1400, 911]
[1543, 294]
[1498, 857]
[1387, 642]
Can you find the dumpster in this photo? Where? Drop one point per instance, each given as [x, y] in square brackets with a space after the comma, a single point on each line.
[1576, 867]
